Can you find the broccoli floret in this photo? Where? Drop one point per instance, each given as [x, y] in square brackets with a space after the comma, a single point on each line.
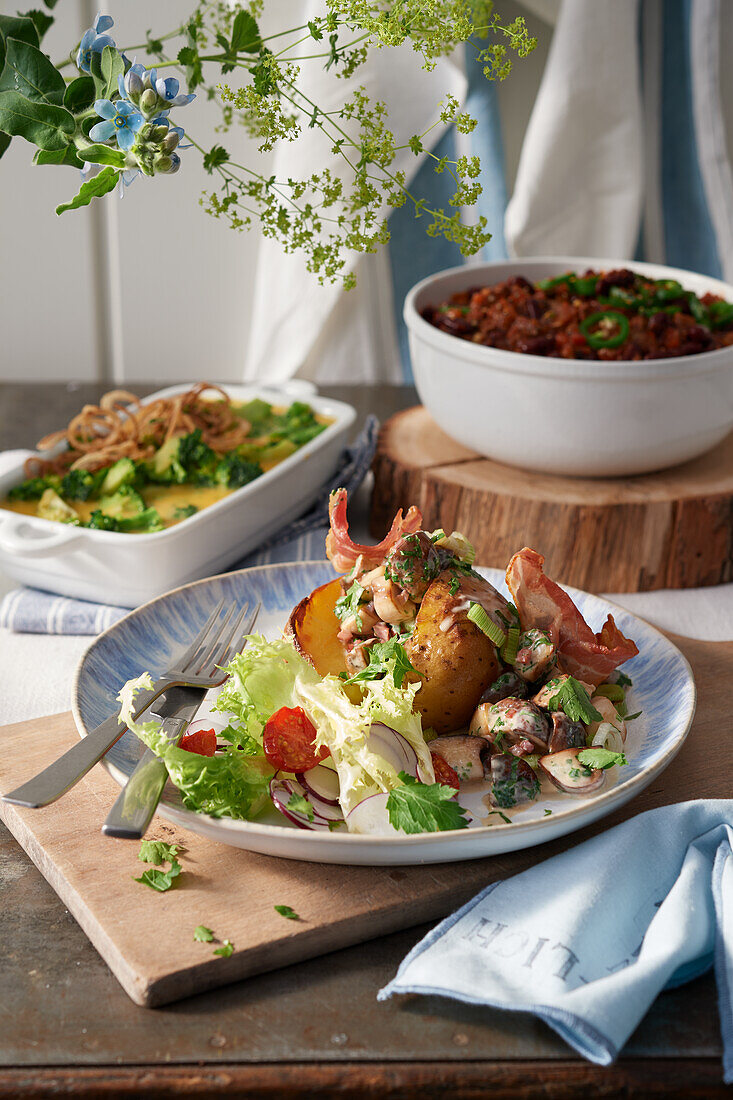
[234, 471]
[80, 484]
[51, 506]
[99, 522]
[33, 488]
[259, 415]
[122, 473]
[185, 458]
[123, 504]
[147, 520]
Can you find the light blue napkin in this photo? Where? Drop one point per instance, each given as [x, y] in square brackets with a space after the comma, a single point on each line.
[28, 610]
[588, 939]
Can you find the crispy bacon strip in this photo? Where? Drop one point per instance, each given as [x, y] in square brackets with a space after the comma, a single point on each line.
[343, 552]
[544, 604]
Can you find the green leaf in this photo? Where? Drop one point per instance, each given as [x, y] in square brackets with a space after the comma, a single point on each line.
[287, 912]
[157, 852]
[202, 934]
[215, 157]
[226, 949]
[160, 880]
[94, 188]
[348, 604]
[80, 94]
[20, 27]
[43, 124]
[40, 21]
[5, 140]
[112, 66]
[599, 759]
[385, 657]
[300, 805]
[575, 701]
[103, 154]
[29, 72]
[424, 807]
[245, 33]
[59, 156]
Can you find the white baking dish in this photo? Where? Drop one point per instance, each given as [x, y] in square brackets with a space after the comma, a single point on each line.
[128, 569]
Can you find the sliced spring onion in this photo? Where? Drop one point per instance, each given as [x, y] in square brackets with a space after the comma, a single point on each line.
[509, 652]
[478, 616]
[614, 692]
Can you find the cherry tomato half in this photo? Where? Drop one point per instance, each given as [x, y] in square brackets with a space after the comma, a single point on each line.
[202, 742]
[444, 773]
[289, 741]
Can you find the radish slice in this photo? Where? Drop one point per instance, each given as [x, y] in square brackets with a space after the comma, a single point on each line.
[370, 817]
[281, 791]
[322, 782]
[396, 749]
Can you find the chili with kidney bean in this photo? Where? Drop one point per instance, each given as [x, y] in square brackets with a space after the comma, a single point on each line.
[598, 315]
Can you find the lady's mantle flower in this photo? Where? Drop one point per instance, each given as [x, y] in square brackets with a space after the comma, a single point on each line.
[121, 120]
[94, 41]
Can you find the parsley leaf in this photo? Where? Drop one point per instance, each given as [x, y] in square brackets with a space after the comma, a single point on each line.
[202, 934]
[160, 880]
[424, 807]
[504, 818]
[623, 680]
[575, 701]
[547, 813]
[385, 657]
[599, 758]
[348, 604]
[157, 852]
[226, 949]
[287, 912]
[300, 805]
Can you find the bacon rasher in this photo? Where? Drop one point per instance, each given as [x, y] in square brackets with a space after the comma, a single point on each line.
[343, 552]
[544, 604]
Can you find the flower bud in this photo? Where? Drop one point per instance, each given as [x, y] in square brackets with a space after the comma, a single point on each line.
[160, 134]
[170, 142]
[175, 163]
[163, 164]
[134, 84]
[148, 100]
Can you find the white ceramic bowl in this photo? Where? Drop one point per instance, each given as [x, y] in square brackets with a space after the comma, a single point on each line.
[564, 416]
[127, 570]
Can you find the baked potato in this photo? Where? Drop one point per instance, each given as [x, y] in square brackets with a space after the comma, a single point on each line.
[455, 664]
[313, 628]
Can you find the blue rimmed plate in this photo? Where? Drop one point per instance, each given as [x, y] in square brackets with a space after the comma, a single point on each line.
[146, 639]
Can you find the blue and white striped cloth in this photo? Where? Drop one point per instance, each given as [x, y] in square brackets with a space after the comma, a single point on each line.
[28, 610]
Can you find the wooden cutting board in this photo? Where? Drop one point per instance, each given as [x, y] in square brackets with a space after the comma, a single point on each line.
[146, 938]
[672, 529]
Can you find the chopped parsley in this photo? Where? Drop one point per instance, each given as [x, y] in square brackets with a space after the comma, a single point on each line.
[300, 805]
[599, 759]
[424, 807]
[202, 934]
[287, 912]
[572, 697]
[547, 812]
[157, 852]
[348, 604]
[504, 791]
[623, 680]
[160, 880]
[455, 584]
[384, 657]
[226, 949]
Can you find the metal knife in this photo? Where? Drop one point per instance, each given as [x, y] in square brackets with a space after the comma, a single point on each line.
[133, 811]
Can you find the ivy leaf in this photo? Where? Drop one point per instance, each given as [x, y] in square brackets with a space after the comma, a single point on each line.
[215, 157]
[40, 21]
[29, 72]
[245, 34]
[20, 27]
[92, 189]
[59, 156]
[79, 95]
[424, 807]
[43, 124]
[112, 66]
[103, 154]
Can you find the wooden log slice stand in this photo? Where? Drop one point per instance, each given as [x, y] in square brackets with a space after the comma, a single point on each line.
[672, 529]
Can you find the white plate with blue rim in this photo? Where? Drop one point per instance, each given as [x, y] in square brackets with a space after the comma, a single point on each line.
[145, 640]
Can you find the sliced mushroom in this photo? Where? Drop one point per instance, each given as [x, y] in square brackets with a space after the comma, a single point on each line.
[569, 775]
[512, 781]
[536, 655]
[511, 720]
[508, 684]
[468, 756]
[566, 734]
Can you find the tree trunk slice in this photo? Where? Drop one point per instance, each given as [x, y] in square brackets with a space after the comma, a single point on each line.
[672, 529]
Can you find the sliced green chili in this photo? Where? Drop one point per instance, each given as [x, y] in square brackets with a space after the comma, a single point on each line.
[548, 284]
[607, 339]
[721, 314]
[586, 287]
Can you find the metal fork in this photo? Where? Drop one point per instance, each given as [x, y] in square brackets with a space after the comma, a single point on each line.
[137, 801]
[195, 667]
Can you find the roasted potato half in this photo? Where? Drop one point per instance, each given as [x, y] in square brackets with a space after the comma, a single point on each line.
[456, 664]
[313, 627]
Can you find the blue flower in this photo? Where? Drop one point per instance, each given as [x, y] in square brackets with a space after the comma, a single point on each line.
[167, 89]
[94, 41]
[121, 121]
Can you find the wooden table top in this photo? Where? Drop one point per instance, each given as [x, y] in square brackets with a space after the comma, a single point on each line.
[313, 1029]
